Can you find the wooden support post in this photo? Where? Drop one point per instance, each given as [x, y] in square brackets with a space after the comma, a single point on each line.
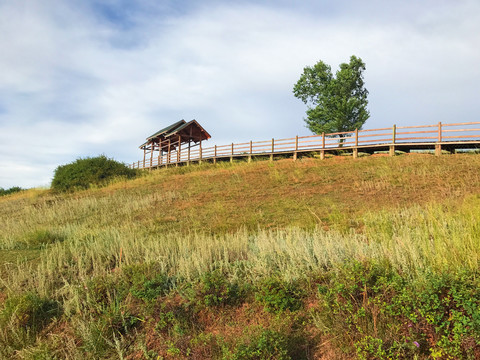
[179, 149]
[151, 154]
[169, 152]
[200, 151]
[144, 155]
[215, 155]
[438, 146]
[188, 156]
[323, 140]
[322, 154]
[250, 155]
[231, 154]
[273, 149]
[296, 149]
[159, 152]
[138, 166]
[394, 136]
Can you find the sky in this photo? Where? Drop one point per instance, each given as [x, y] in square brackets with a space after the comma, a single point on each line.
[91, 77]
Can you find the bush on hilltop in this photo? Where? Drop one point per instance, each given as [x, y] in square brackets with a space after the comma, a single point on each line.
[83, 173]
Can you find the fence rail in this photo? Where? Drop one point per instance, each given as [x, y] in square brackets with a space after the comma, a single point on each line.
[446, 136]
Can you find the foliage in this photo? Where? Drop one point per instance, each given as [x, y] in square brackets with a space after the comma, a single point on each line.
[22, 318]
[40, 238]
[12, 190]
[385, 273]
[278, 296]
[389, 317]
[335, 104]
[213, 289]
[268, 345]
[83, 173]
[151, 289]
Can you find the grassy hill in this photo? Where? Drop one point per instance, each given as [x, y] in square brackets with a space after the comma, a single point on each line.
[372, 258]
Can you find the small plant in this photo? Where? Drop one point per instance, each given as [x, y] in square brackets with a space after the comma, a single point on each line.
[268, 345]
[29, 311]
[278, 296]
[83, 173]
[370, 348]
[214, 290]
[22, 318]
[151, 289]
[41, 238]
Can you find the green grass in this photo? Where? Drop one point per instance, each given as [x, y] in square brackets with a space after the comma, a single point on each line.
[262, 260]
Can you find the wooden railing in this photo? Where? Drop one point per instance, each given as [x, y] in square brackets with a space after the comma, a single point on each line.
[390, 137]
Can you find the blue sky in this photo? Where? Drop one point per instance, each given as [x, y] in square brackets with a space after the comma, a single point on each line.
[83, 78]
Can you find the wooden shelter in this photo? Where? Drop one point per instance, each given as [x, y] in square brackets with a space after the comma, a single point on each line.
[174, 142]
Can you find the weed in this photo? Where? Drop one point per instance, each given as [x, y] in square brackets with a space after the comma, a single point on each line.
[268, 345]
[278, 296]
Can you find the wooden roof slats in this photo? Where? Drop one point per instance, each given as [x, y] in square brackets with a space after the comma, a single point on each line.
[191, 130]
[167, 129]
[181, 130]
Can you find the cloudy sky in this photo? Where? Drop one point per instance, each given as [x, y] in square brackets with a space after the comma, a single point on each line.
[83, 78]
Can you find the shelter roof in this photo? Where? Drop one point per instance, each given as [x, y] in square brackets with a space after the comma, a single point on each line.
[169, 128]
[191, 131]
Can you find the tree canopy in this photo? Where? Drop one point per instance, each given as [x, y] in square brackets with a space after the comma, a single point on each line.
[335, 103]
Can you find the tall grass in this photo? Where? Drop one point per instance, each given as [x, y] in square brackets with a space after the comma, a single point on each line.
[97, 250]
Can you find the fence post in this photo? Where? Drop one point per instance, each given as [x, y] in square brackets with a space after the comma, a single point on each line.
[438, 146]
[355, 149]
[296, 148]
[250, 155]
[188, 155]
[231, 155]
[273, 149]
[322, 152]
[394, 136]
[215, 155]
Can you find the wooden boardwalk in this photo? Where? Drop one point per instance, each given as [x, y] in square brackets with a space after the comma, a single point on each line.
[449, 137]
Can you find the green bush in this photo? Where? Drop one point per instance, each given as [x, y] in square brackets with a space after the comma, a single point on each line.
[83, 173]
[268, 345]
[12, 190]
[215, 290]
[21, 319]
[41, 238]
[150, 289]
[278, 296]
[388, 316]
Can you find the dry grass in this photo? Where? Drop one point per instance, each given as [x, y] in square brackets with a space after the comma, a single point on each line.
[419, 213]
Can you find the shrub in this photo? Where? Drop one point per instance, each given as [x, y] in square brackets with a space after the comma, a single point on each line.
[150, 289]
[29, 311]
[215, 290]
[21, 319]
[268, 345]
[278, 296]
[41, 238]
[83, 173]
[12, 190]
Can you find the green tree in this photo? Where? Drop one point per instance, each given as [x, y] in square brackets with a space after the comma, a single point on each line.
[335, 103]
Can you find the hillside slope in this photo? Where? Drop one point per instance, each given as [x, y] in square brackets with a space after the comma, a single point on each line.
[369, 258]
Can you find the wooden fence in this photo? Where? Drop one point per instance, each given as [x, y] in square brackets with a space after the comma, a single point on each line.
[439, 136]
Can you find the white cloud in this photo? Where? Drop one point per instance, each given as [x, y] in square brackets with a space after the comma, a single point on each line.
[73, 85]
